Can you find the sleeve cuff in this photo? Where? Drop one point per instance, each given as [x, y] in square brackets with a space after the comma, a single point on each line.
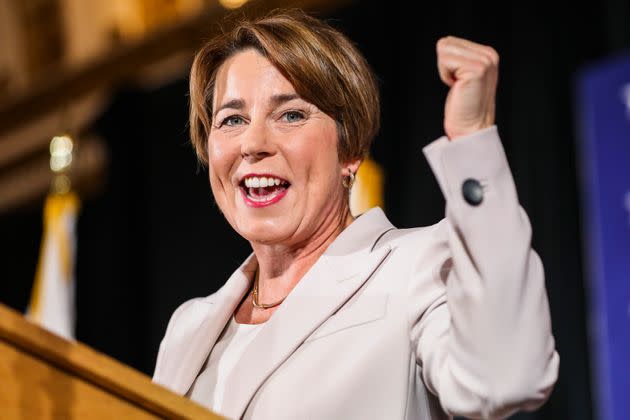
[478, 156]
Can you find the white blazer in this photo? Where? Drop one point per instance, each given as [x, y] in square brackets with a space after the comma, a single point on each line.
[425, 323]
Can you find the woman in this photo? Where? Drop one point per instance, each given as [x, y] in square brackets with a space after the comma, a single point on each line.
[337, 317]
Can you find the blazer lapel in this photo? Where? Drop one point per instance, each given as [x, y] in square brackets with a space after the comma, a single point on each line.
[347, 264]
[200, 329]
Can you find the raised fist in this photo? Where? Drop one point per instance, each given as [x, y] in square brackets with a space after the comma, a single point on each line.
[471, 72]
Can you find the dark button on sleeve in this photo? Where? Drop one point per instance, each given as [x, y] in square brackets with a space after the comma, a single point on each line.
[472, 192]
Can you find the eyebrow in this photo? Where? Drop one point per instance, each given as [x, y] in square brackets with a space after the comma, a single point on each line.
[282, 98]
[234, 104]
[276, 100]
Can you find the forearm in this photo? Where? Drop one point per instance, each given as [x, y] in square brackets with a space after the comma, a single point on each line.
[497, 354]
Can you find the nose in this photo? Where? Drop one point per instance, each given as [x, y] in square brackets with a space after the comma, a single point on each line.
[256, 143]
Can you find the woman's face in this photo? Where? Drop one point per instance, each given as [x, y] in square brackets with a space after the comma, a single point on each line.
[273, 162]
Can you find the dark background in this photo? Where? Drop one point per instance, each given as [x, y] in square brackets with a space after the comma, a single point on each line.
[152, 237]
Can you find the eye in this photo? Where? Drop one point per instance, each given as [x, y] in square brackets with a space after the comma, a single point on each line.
[292, 116]
[232, 120]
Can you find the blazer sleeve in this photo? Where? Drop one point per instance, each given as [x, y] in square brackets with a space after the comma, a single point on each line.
[485, 344]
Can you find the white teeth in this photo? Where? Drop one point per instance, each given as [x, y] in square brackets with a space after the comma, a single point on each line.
[256, 182]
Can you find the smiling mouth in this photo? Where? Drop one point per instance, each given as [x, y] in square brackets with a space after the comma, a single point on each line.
[260, 191]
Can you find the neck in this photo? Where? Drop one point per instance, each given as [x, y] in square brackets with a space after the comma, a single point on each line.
[280, 267]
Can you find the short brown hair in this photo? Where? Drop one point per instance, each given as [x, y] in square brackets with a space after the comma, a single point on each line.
[321, 63]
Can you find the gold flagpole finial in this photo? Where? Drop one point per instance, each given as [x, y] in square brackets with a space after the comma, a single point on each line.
[61, 148]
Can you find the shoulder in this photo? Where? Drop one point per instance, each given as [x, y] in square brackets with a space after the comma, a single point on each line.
[418, 252]
[415, 255]
[188, 310]
[417, 237]
[182, 309]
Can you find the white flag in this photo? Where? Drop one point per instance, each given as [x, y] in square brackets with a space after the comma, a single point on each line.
[52, 298]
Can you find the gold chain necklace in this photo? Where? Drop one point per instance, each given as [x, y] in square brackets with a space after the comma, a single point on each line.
[255, 297]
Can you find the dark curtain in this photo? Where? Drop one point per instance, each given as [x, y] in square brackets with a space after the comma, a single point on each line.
[153, 237]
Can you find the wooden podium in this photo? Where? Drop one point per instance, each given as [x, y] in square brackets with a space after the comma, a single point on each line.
[43, 376]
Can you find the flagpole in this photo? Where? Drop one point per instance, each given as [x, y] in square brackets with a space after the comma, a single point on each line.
[52, 303]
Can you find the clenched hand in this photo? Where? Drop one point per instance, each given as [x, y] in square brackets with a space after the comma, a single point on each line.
[471, 72]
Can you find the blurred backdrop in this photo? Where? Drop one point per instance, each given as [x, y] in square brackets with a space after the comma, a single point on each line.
[113, 74]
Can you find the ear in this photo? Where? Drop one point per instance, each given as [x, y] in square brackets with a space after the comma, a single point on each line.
[351, 166]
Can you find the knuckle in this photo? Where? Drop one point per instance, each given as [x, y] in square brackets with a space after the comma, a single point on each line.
[485, 60]
[493, 55]
[443, 42]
